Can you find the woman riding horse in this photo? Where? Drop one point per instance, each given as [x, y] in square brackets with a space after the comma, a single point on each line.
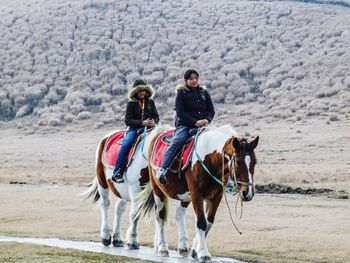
[140, 112]
[194, 109]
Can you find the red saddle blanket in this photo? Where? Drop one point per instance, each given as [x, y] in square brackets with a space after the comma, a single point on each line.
[112, 148]
[161, 145]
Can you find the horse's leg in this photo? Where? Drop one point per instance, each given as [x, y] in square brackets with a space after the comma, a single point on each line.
[212, 207]
[199, 246]
[104, 206]
[132, 240]
[117, 234]
[180, 220]
[161, 212]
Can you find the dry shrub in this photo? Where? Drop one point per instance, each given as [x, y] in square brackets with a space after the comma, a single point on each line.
[84, 115]
[334, 117]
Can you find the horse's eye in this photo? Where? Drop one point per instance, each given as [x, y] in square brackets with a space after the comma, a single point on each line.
[239, 162]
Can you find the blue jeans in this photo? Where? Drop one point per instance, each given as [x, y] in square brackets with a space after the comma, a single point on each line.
[128, 141]
[181, 134]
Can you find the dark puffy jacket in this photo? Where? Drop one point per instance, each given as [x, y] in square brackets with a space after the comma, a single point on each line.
[133, 116]
[192, 105]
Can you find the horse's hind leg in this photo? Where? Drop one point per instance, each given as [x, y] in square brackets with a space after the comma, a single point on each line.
[161, 213]
[132, 240]
[183, 247]
[119, 211]
[104, 206]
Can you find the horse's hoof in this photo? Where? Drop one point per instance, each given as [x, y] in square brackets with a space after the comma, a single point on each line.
[193, 254]
[133, 246]
[163, 253]
[205, 259]
[183, 252]
[118, 243]
[106, 242]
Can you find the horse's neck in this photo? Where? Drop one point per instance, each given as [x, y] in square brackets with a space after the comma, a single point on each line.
[211, 141]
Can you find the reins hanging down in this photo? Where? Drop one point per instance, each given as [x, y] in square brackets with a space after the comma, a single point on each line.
[218, 180]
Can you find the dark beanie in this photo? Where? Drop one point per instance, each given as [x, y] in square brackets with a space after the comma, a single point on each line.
[139, 82]
[189, 72]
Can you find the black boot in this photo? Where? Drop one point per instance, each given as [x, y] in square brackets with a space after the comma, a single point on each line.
[117, 176]
[161, 175]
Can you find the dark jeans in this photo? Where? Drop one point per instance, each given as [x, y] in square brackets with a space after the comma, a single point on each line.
[182, 133]
[128, 141]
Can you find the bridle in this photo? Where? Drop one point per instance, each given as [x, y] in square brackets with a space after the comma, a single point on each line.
[232, 169]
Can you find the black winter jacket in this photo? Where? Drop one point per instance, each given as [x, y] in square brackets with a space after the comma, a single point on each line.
[193, 105]
[133, 116]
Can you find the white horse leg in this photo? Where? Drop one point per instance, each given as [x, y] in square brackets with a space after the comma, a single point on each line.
[202, 249]
[181, 226]
[104, 206]
[162, 244]
[117, 233]
[132, 240]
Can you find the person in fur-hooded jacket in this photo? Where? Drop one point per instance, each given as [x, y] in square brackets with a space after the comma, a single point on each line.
[194, 109]
[140, 112]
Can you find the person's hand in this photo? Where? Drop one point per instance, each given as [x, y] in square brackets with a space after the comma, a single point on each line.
[201, 123]
[151, 123]
[205, 122]
[148, 122]
[198, 123]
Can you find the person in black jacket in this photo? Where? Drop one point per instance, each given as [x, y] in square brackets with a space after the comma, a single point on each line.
[194, 109]
[140, 112]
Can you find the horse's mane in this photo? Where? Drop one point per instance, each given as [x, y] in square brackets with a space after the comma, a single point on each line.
[226, 129]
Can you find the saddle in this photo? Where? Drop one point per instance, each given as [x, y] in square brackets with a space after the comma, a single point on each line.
[181, 161]
[112, 148]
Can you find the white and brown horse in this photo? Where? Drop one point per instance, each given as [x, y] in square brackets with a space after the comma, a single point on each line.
[135, 177]
[218, 155]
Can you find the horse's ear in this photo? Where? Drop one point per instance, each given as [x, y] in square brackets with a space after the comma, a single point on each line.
[235, 143]
[228, 147]
[254, 142]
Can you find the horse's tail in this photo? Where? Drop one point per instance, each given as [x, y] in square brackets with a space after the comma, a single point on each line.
[100, 178]
[145, 201]
[92, 192]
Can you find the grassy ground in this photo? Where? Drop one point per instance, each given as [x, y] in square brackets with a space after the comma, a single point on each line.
[20, 253]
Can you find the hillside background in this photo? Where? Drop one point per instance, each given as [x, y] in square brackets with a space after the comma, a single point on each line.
[65, 63]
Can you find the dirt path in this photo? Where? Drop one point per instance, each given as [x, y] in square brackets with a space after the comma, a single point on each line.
[276, 228]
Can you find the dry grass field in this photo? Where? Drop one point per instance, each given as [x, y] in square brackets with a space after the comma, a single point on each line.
[42, 174]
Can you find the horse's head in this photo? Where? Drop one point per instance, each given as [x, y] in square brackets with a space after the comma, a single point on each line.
[243, 162]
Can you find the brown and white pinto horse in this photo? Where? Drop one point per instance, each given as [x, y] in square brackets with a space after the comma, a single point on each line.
[222, 154]
[135, 177]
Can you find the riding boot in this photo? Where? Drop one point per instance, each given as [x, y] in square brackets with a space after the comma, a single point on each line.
[117, 176]
[161, 175]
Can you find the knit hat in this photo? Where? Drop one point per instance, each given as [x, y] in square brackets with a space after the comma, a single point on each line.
[189, 72]
[140, 85]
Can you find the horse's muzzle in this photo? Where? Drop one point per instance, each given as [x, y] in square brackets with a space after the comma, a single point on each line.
[247, 195]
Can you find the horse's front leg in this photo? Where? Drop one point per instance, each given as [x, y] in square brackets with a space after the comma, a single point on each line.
[181, 225]
[119, 211]
[132, 240]
[161, 244]
[199, 246]
[104, 207]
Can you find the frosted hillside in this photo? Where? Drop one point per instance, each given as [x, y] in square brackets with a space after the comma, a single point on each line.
[71, 61]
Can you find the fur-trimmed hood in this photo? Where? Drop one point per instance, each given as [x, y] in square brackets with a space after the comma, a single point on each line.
[132, 93]
[182, 87]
